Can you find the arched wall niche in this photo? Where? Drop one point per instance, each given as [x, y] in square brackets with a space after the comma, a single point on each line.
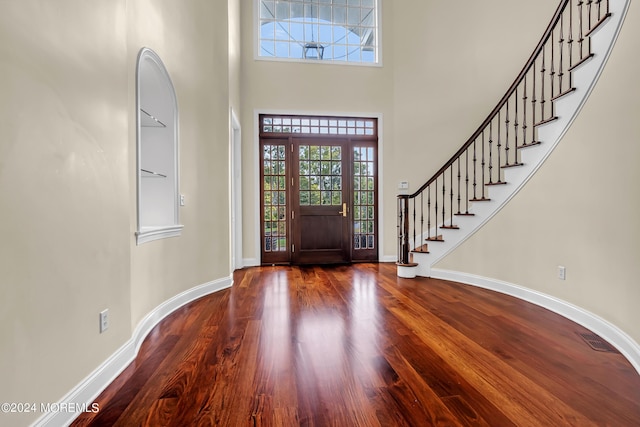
[157, 151]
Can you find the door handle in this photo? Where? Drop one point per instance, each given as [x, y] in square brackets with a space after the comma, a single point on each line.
[344, 210]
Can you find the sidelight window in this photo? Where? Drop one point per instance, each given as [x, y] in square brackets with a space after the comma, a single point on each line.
[274, 197]
[364, 200]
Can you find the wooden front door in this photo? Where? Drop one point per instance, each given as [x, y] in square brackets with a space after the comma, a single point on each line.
[318, 190]
[321, 226]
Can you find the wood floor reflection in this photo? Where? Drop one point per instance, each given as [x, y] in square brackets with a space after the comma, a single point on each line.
[357, 346]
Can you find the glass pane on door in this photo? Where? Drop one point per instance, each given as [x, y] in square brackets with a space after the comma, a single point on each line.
[320, 175]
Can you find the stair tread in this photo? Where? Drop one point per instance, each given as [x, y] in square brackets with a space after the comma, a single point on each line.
[597, 24]
[512, 165]
[545, 121]
[496, 183]
[464, 214]
[437, 238]
[484, 199]
[582, 61]
[529, 144]
[566, 92]
[407, 264]
[450, 227]
[424, 249]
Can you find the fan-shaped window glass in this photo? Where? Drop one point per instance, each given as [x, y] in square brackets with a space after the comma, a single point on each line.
[321, 30]
[157, 150]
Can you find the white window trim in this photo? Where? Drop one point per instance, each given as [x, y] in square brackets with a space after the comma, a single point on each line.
[256, 44]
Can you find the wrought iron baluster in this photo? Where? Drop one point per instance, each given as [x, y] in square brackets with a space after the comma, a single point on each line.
[524, 113]
[482, 165]
[589, 11]
[451, 197]
[398, 232]
[561, 62]
[435, 211]
[552, 72]
[421, 217]
[466, 202]
[414, 224]
[506, 135]
[444, 193]
[475, 181]
[580, 31]
[543, 70]
[515, 128]
[459, 176]
[490, 152]
[570, 42]
[533, 97]
[428, 212]
[499, 146]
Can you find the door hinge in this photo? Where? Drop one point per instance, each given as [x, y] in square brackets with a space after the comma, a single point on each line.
[292, 181]
[293, 214]
[293, 248]
[292, 148]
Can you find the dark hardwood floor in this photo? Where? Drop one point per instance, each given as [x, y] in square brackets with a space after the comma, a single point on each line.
[357, 346]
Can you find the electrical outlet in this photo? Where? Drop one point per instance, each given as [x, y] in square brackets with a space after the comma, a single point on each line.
[562, 272]
[104, 320]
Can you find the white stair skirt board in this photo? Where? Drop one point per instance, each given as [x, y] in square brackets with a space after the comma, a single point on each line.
[618, 338]
[550, 134]
[87, 390]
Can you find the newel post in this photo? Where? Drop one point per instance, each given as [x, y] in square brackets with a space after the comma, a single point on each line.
[403, 229]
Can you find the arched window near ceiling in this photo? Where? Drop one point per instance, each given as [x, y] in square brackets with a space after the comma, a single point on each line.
[157, 109]
[322, 30]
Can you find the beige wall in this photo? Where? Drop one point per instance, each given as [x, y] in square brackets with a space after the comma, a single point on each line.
[298, 87]
[581, 209]
[235, 46]
[64, 182]
[445, 65]
[67, 161]
[433, 56]
[195, 52]
[67, 180]
[452, 62]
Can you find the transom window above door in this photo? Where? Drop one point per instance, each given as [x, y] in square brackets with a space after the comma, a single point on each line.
[343, 31]
[316, 125]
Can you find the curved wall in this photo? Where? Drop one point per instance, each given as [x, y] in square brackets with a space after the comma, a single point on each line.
[580, 209]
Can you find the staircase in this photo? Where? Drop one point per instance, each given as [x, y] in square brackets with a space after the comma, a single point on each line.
[515, 138]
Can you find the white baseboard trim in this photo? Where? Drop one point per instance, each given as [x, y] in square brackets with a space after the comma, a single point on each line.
[88, 389]
[614, 335]
[250, 262]
[388, 258]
